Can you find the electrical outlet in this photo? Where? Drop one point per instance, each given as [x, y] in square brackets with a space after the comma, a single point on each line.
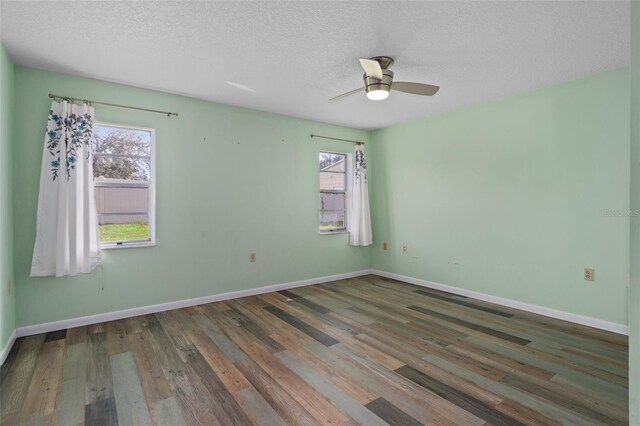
[385, 246]
[252, 257]
[405, 250]
[589, 274]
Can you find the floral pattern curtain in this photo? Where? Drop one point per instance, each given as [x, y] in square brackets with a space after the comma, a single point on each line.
[359, 216]
[67, 228]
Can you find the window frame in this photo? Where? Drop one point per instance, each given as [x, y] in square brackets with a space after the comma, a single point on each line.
[346, 192]
[151, 215]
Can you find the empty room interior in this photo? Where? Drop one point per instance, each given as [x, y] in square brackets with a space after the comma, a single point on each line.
[326, 212]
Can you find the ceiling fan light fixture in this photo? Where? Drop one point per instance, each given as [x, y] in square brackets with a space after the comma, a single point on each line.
[378, 90]
[378, 81]
[378, 95]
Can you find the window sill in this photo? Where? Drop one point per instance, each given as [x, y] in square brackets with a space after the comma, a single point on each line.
[111, 246]
[343, 231]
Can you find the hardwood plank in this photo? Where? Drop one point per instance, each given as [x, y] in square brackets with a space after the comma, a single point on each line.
[544, 407]
[71, 407]
[618, 376]
[524, 414]
[324, 300]
[55, 335]
[459, 398]
[257, 408]
[166, 412]
[302, 326]
[465, 302]
[225, 406]
[97, 328]
[313, 402]
[410, 397]
[101, 413]
[220, 338]
[232, 378]
[41, 395]
[76, 335]
[18, 380]
[564, 399]
[287, 407]
[171, 325]
[560, 366]
[193, 399]
[288, 294]
[472, 326]
[11, 357]
[391, 414]
[189, 391]
[127, 391]
[116, 338]
[360, 381]
[370, 353]
[311, 305]
[339, 374]
[359, 351]
[154, 383]
[98, 384]
[254, 329]
[332, 393]
[170, 361]
[353, 313]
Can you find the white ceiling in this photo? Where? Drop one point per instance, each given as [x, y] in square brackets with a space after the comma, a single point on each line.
[293, 56]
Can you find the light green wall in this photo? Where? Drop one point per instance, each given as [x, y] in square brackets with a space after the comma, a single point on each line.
[634, 300]
[7, 292]
[230, 181]
[510, 198]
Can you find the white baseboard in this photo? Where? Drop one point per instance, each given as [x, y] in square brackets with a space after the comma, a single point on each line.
[549, 312]
[7, 348]
[150, 309]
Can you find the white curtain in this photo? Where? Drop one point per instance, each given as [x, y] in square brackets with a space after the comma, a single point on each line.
[67, 229]
[359, 217]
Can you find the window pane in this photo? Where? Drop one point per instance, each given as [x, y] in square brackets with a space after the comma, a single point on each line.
[332, 181]
[122, 200]
[332, 162]
[115, 140]
[331, 201]
[331, 220]
[117, 228]
[121, 168]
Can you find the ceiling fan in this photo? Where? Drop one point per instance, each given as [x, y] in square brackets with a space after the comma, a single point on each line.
[378, 81]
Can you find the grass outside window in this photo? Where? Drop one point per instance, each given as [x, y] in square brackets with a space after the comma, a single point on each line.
[114, 232]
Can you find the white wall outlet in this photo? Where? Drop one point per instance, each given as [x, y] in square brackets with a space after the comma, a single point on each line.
[589, 274]
[405, 249]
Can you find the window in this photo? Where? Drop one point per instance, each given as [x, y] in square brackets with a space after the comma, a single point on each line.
[333, 192]
[123, 176]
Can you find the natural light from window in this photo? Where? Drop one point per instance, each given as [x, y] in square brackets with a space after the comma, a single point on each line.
[123, 179]
[333, 187]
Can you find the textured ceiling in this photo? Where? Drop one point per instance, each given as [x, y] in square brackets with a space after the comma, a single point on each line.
[290, 57]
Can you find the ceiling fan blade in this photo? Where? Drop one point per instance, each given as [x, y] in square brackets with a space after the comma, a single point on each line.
[344, 95]
[415, 88]
[371, 68]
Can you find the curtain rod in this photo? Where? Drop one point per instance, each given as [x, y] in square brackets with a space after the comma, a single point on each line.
[336, 139]
[70, 99]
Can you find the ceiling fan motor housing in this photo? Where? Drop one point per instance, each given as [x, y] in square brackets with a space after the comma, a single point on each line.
[372, 84]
